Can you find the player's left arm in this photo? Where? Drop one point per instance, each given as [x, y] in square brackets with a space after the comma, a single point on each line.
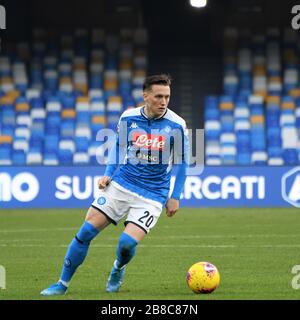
[172, 206]
[181, 154]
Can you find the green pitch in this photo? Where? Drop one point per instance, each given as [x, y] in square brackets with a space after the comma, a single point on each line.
[254, 250]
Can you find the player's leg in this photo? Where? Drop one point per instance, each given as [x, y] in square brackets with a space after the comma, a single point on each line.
[126, 249]
[95, 221]
[141, 219]
[128, 241]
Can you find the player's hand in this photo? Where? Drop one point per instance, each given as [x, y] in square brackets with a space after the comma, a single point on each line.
[103, 182]
[172, 206]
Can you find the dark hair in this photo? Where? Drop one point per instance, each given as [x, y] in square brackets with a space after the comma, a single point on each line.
[162, 79]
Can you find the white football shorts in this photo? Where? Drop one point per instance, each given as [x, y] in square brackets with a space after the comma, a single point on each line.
[115, 202]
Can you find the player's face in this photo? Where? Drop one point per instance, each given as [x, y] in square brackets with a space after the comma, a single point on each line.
[157, 99]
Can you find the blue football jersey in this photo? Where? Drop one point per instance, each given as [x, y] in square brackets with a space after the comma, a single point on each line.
[145, 151]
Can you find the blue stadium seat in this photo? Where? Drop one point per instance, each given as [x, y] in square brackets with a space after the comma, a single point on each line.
[5, 151]
[7, 130]
[51, 144]
[290, 157]
[68, 101]
[50, 159]
[19, 158]
[82, 144]
[212, 114]
[65, 157]
[83, 117]
[67, 128]
[275, 151]
[244, 158]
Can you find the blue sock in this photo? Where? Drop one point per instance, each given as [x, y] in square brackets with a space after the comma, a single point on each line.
[78, 250]
[126, 249]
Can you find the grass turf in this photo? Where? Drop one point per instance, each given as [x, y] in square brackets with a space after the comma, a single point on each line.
[254, 250]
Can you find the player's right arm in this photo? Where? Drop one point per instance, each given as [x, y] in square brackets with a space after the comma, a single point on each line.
[103, 182]
[116, 155]
[111, 167]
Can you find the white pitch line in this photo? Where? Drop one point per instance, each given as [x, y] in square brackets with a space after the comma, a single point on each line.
[180, 237]
[200, 236]
[22, 240]
[196, 236]
[159, 246]
[38, 230]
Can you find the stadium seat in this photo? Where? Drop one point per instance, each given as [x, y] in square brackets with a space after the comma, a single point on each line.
[65, 157]
[5, 150]
[260, 105]
[66, 92]
[81, 158]
[50, 159]
[34, 158]
[19, 158]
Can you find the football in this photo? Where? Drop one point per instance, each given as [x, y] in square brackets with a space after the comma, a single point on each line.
[203, 277]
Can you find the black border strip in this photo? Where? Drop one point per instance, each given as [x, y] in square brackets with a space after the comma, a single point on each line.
[106, 215]
[80, 241]
[128, 221]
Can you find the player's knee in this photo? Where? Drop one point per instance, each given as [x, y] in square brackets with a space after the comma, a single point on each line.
[86, 233]
[127, 245]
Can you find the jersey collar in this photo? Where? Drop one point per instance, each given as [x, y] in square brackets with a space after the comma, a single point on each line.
[145, 116]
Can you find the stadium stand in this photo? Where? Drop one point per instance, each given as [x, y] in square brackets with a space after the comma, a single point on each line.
[257, 119]
[56, 95]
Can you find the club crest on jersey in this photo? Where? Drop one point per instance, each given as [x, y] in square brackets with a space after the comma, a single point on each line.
[149, 141]
[167, 129]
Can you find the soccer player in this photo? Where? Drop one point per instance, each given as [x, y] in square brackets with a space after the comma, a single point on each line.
[136, 182]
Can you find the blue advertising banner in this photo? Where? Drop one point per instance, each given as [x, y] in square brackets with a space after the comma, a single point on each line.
[76, 187]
